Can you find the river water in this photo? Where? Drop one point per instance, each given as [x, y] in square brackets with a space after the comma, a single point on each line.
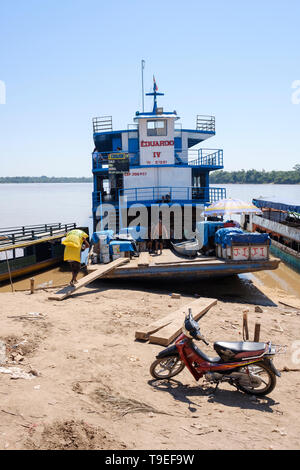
[41, 203]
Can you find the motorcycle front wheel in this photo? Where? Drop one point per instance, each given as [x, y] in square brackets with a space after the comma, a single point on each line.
[166, 367]
[262, 380]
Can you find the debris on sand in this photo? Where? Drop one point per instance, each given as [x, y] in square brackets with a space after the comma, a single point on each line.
[72, 435]
[16, 373]
[124, 405]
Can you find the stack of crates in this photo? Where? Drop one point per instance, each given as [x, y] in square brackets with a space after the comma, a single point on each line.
[104, 249]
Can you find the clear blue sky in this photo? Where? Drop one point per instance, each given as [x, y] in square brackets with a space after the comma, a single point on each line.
[64, 62]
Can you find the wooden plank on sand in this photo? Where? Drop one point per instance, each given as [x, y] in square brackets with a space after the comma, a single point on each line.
[166, 335]
[291, 302]
[197, 306]
[144, 259]
[92, 276]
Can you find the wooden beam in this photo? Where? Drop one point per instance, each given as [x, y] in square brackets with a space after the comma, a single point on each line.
[146, 331]
[167, 334]
[92, 276]
[144, 259]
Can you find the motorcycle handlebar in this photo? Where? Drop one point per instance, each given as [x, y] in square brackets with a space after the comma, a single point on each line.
[200, 337]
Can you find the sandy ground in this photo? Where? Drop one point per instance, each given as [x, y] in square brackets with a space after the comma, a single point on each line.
[88, 384]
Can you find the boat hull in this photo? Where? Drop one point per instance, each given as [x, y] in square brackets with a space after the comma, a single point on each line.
[286, 254]
[24, 271]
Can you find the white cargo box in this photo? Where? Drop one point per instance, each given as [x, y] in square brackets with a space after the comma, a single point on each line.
[104, 249]
[104, 258]
[243, 253]
[118, 255]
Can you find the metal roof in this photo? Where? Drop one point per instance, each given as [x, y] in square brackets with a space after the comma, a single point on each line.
[287, 205]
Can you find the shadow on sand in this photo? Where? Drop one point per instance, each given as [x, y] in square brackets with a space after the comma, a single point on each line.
[232, 398]
[235, 288]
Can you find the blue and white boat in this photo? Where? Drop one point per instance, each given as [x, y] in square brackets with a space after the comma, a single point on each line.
[157, 161]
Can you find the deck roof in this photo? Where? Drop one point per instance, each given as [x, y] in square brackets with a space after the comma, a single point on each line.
[280, 204]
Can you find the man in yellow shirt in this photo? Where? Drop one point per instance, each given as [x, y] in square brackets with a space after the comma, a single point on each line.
[74, 242]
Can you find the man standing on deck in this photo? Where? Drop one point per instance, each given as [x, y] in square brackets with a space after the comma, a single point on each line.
[74, 242]
[160, 234]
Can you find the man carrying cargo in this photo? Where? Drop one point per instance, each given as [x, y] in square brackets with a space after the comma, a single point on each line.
[75, 241]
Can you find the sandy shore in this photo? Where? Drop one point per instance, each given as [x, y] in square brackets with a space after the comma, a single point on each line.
[86, 381]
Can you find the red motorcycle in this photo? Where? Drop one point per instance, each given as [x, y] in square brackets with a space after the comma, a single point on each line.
[246, 365]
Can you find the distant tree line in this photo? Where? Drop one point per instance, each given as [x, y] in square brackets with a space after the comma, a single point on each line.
[256, 177]
[43, 179]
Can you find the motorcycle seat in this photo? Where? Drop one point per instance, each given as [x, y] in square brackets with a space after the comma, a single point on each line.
[240, 346]
[204, 356]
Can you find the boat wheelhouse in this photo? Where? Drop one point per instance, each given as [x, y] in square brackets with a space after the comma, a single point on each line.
[153, 161]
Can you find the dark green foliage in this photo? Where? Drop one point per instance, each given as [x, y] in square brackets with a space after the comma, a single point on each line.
[256, 177]
[43, 179]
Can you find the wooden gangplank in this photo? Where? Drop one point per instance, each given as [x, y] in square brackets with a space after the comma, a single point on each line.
[92, 276]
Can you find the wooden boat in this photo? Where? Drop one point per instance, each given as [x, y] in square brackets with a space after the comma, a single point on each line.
[27, 249]
[281, 220]
[187, 248]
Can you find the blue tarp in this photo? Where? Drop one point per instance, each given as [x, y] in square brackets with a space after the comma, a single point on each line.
[227, 236]
[109, 234]
[137, 232]
[209, 229]
[124, 245]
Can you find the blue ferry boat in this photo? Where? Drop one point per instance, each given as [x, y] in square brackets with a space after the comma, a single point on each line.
[158, 162]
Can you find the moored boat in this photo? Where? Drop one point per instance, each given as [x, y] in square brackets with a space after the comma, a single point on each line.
[27, 249]
[280, 218]
[187, 248]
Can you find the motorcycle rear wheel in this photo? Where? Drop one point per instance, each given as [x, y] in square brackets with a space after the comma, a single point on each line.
[265, 374]
[166, 367]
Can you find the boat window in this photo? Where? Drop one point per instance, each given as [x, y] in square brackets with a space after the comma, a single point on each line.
[10, 255]
[158, 127]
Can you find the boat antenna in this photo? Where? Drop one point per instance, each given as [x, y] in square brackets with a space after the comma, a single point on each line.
[154, 94]
[143, 66]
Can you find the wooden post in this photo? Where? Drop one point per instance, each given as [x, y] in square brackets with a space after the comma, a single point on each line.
[256, 332]
[31, 285]
[245, 327]
[9, 272]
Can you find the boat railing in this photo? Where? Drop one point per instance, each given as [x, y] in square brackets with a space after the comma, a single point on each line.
[205, 123]
[14, 235]
[100, 159]
[201, 157]
[168, 194]
[102, 124]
